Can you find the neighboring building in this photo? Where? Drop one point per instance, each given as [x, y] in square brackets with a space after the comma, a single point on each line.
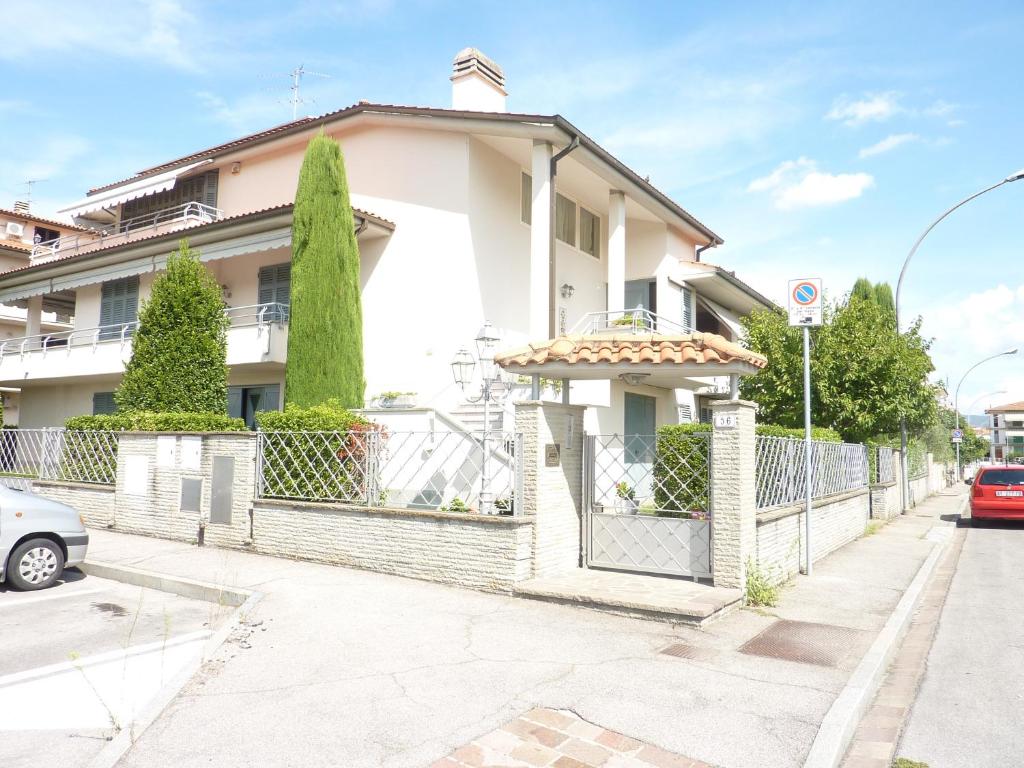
[1007, 432]
[461, 229]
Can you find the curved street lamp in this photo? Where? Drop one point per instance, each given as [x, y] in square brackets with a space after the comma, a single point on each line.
[899, 288]
[956, 398]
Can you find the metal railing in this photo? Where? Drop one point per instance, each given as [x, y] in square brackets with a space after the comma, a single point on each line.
[781, 470]
[58, 454]
[628, 321]
[46, 343]
[448, 471]
[661, 475]
[883, 470]
[69, 245]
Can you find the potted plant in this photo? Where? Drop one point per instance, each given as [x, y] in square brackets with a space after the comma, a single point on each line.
[626, 498]
[395, 399]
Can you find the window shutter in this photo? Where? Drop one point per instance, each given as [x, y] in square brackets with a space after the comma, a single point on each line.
[686, 318]
[119, 304]
[103, 402]
[685, 414]
[235, 402]
[210, 193]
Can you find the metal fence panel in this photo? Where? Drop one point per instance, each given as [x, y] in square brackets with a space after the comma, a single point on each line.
[781, 470]
[884, 469]
[83, 456]
[455, 471]
[662, 475]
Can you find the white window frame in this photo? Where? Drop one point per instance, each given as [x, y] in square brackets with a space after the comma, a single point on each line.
[527, 213]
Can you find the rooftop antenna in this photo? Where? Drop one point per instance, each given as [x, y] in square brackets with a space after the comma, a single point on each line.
[296, 75]
[28, 191]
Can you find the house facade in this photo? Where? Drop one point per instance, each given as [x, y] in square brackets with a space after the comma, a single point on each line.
[463, 214]
[1007, 431]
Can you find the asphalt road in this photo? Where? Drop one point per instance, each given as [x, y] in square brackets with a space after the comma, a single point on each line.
[971, 703]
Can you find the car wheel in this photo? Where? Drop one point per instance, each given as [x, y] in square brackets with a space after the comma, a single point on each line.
[36, 564]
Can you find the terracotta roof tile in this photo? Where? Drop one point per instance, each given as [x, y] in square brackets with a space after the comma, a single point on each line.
[1009, 407]
[40, 219]
[668, 349]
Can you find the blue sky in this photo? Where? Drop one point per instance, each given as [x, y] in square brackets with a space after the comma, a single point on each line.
[818, 138]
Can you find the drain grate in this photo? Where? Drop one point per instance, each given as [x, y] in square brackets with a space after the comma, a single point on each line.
[805, 642]
[687, 651]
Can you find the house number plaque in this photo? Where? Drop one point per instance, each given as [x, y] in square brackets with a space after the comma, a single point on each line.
[552, 455]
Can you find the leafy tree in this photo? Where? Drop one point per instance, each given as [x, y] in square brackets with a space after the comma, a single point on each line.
[877, 293]
[325, 330]
[940, 443]
[179, 352]
[863, 374]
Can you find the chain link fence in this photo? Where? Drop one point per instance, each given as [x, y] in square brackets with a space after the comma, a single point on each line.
[450, 471]
[666, 475]
[781, 470]
[83, 456]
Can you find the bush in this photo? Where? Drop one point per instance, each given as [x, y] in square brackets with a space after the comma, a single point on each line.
[148, 421]
[821, 434]
[331, 465]
[760, 590]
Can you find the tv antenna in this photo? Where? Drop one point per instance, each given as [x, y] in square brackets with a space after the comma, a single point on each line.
[296, 76]
[28, 183]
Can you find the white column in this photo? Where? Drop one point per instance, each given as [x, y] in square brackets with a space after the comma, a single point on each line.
[540, 240]
[616, 251]
[34, 318]
[733, 492]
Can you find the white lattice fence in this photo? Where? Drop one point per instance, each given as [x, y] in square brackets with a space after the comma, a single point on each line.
[84, 456]
[781, 470]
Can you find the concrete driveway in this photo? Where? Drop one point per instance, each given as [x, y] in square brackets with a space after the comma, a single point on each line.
[80, 659]
[362, 669]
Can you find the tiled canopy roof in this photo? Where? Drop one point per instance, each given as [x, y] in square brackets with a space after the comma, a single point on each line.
[1009, 407]
[695, 348]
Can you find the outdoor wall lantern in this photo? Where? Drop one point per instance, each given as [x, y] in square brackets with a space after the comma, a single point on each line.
[462, 367]
[568, 291]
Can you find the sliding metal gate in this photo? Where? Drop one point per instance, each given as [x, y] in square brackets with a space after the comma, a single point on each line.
[647, 507]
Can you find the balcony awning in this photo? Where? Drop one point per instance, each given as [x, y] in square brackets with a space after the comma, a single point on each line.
[148, 186]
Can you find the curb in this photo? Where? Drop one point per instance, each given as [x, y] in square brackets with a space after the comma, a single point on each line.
[243, 600]
[840, 722]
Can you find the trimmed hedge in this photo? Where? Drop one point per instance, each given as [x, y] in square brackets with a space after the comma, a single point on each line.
[327, 416]
[682, 448]
[149, 421]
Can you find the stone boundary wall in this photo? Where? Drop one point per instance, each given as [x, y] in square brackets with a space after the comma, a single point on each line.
[885, 501]
[485, 552]
[836, 520]
[94, 502]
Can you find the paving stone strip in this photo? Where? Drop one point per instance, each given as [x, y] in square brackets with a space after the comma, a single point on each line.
[560, 739]
[877, 736]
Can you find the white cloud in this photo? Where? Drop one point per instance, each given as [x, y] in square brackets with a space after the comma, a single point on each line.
[799, 184]
[877, 107]
[163, 31]
[888, 144]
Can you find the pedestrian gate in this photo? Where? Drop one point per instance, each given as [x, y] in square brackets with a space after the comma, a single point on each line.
[647, 504]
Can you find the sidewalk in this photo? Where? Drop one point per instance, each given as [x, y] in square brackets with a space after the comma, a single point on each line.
[361, 669]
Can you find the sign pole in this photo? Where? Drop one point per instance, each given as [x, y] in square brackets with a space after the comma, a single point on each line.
[808, 448]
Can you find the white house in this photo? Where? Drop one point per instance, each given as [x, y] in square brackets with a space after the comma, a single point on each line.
[1007, 432]
[463, 214]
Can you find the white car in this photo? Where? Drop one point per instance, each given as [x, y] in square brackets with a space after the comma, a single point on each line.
[38, 539]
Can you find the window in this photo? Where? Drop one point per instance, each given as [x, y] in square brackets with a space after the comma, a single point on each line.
[686, 315]
[246, 402]
[275, 288]
[119, 306]
[565, 219]
[526, 199]
[590, 233]
[103, 402]
[195, 189]
[44, 235]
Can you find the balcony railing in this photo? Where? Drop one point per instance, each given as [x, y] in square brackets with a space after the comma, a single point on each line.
[256, 315]
[628, 321]
[68, 245]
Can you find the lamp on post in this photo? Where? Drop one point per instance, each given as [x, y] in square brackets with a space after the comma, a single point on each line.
[899, 287]
[956, 398]
[493, 386]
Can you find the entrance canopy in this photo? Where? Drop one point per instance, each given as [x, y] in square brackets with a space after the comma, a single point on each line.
[660, 360]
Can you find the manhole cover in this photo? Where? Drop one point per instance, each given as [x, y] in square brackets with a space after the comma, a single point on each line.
[687, 651]
[803, 641]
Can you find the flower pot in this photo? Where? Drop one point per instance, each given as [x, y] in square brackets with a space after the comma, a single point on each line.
[626, 506]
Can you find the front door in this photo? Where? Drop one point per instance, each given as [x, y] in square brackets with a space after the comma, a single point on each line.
[638, 439]
[245, 402]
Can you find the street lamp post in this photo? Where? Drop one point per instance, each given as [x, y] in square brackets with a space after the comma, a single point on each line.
[956, 398]
[899, 288]
[462, 370]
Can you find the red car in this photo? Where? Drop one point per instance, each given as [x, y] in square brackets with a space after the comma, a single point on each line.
[997, 493]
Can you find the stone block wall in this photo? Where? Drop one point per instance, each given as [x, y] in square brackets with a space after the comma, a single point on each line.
[885, 501]
[94, 502]
[733, 492]
[486, 552]
[835, 521]
[552, 492]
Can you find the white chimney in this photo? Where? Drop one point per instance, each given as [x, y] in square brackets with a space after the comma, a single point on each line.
[478, 84]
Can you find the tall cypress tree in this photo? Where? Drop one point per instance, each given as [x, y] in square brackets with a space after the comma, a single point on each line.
[179, 352]
[325, 330]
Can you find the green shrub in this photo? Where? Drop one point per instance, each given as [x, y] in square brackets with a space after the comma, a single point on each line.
[760, 591]
[903, 762]
[179, 352]
[821, 434]
[681, 479]
[148, 421]
[331, 465]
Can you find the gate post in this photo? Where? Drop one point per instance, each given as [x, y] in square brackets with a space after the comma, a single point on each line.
[733, 491]
[552, 472]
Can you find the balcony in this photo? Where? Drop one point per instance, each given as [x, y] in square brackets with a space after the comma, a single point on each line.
[155, 223]
[629, 321]
[256, 334]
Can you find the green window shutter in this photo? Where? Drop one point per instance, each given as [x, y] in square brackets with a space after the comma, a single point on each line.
[119, 304]
[103, 402]
[235, 402]
[210, 193]
[275, 285]
[686, 307]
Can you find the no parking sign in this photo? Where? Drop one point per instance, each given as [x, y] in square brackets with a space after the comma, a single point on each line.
[805, 301]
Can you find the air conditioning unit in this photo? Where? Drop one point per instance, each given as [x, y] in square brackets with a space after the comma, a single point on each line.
[14, 229]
